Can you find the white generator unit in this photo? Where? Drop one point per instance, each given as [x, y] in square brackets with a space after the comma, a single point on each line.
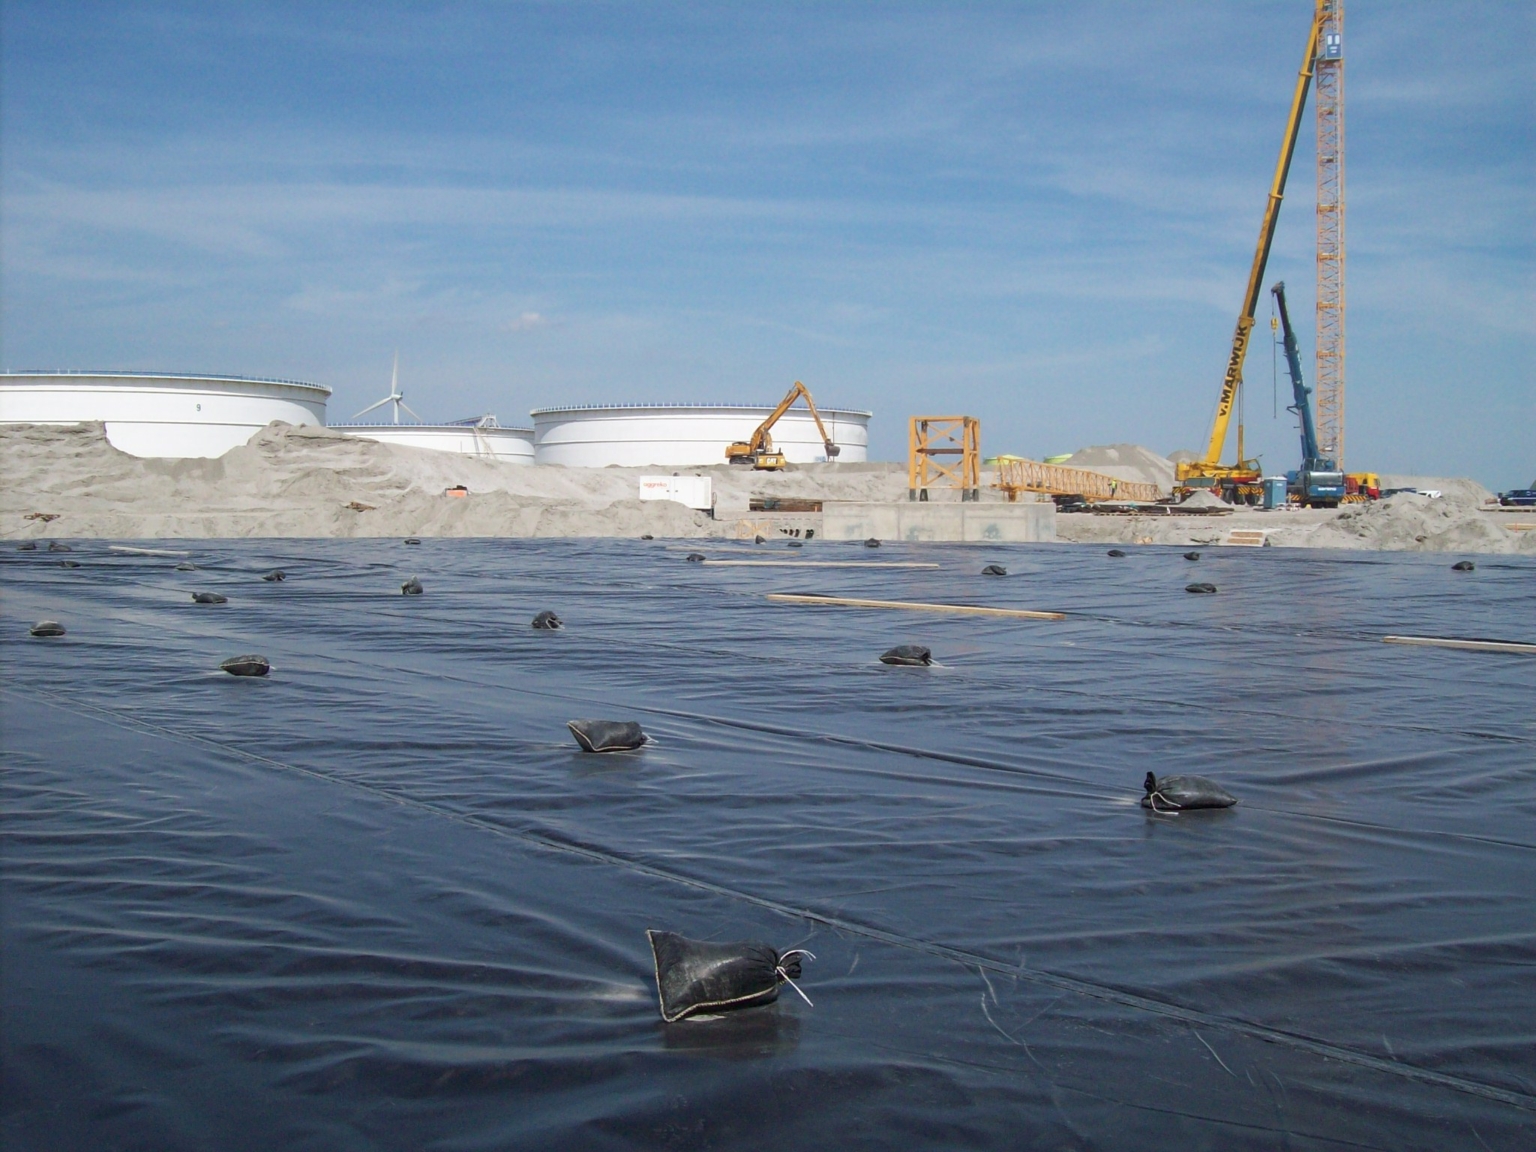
[690, 491]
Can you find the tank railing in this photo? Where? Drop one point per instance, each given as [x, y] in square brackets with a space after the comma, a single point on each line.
[159, 376]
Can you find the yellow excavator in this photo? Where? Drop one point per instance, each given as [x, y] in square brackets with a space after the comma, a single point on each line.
[760, 452]
[1238, 482]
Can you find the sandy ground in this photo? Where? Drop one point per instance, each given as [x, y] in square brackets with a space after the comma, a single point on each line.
[303, 482]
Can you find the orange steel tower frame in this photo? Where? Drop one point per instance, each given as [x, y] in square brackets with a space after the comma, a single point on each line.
[1329, 378]
[930, 437]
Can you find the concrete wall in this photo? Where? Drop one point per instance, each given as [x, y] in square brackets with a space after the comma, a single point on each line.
[915, 520]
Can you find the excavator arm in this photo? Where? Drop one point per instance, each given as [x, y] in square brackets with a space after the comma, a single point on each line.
[759, 451]
[1210, 464]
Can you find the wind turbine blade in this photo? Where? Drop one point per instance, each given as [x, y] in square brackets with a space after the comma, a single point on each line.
[407, 407]
[371, 407]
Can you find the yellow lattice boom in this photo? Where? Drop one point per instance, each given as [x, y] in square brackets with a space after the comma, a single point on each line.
[1015, 475]
[1329, 378]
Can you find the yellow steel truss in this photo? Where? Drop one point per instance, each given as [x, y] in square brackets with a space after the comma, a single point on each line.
[1015, 475]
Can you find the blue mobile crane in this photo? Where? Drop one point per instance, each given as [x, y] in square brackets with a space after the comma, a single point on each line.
[1318, 483]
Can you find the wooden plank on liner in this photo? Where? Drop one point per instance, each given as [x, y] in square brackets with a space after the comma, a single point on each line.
[914, 606]
[820, 564]
[1474, 645]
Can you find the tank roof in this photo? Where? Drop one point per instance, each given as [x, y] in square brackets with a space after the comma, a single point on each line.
[226, 379]
[689, 407]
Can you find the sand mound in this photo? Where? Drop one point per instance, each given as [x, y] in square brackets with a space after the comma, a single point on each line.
[304, 481]
[1453, 487]
[1452, 523]
[1201, 499]
[1125, 462]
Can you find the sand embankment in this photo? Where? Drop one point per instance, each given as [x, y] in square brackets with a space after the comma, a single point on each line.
[317, 482]
[307, 482]
[1460, 520]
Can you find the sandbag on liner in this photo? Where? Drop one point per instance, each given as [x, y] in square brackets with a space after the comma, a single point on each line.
[914, 655]
[1184, 793]
[607, 735]
[695, 976]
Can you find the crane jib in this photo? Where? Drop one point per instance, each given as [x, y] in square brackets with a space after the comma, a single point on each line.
[1233, 379]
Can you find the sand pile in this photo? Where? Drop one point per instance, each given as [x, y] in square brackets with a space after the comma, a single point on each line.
[1199, 500]
[1407, 521]
[1125, 462]
[1400, 523]
[1453, 487]
[305, 481]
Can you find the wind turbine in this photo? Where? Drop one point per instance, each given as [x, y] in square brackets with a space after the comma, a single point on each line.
[395, 396]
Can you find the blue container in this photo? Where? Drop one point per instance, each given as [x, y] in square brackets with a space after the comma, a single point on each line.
[1274, 491]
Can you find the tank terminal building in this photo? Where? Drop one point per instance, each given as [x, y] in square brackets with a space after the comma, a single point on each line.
[687, 435]
[178, 415]
[170, 415]
[481, 437]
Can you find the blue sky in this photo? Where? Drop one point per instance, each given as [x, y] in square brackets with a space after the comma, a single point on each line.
[1039, 214]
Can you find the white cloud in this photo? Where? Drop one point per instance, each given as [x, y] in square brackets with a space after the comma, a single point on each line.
[527, 322]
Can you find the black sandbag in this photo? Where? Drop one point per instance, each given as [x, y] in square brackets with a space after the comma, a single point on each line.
[56, 546]
[548, 621]
[914, 655]
[186, 566]
[607, 735]
[794, 544]
[276, 576]
[1463, 566]
[1201, 589]
[47, 628]
[695, 976]
[27, 546]
[411, 587]
[871, 543]
[410, 540]
[695, 557]
[1114, 552]
[69, 563]
[647, 536]
[1191, 555]
[994, 570]
[247, 666]
[759, 540]
[209, 598]
[1184, 793]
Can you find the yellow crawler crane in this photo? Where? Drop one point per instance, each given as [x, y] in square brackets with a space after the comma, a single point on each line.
[760, 452]
[1240, 479]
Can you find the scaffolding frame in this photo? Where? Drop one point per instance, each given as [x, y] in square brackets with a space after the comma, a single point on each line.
[944, 451]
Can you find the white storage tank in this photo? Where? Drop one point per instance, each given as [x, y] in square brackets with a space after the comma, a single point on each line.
[484, 438]
[687, 435]
[161, 414]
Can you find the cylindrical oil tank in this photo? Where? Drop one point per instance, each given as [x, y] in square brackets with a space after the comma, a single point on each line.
[161, 414]
[688, 435]
[489, 442]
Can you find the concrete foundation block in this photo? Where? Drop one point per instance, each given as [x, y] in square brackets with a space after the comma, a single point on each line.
[917, 521]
